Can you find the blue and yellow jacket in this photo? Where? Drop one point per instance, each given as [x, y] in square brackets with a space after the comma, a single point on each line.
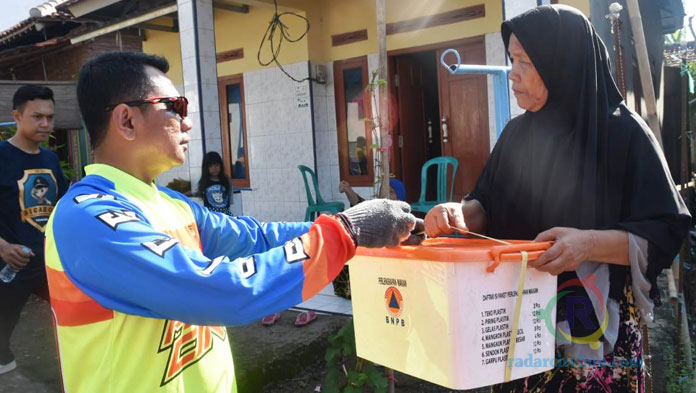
[143, 280]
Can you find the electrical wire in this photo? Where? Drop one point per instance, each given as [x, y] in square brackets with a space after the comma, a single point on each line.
[277, 28]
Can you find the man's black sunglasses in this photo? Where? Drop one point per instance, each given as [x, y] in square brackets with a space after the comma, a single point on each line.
[177, 104]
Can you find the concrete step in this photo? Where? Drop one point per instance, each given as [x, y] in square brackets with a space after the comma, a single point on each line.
[264, 355]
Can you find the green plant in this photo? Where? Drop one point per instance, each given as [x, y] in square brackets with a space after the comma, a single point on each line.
[676, 37]
[679, 376]
[181, 185]
[7, 132]
[68, 171]
[345, 372]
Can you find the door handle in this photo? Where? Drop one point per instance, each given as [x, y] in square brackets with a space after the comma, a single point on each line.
[430, 131]
[445, 137]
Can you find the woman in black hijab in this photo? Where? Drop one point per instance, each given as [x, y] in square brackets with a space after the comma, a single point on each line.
[581, 169]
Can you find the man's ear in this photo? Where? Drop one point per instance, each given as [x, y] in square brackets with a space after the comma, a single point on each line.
[122, 121]
[16, 115]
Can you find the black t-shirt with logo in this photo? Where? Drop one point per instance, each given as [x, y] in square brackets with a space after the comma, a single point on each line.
[30, 186]
[217, 198]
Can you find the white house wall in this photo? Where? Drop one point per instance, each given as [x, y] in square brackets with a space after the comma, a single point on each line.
[326, 134]
[279, 138]
[516, 7]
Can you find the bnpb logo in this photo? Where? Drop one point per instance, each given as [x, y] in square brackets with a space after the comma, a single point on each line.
[394, 301]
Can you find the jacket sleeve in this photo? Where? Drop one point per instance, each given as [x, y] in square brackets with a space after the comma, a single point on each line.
[111, 252]
[242, 236]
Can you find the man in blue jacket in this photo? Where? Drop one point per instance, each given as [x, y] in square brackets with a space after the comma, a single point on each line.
[142, 279]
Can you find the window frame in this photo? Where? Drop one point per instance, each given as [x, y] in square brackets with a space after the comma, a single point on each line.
[223, 82]
[341, 122]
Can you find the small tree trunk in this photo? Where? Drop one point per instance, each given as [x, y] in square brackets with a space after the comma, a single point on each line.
[383, 98]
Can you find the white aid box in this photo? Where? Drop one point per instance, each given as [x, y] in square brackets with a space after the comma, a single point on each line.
[443, 311]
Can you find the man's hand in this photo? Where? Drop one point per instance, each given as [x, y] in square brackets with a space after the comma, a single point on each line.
[445, 219]
[15, 255]
[571, 247]
[381, 222]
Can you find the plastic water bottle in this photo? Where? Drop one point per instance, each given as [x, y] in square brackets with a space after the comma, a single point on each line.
[7, 274]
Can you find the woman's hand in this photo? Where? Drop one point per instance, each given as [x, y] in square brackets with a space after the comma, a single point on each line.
[445, 219]
[572, 246]
[344, 186]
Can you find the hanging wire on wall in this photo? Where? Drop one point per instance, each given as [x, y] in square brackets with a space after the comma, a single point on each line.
[280, 31]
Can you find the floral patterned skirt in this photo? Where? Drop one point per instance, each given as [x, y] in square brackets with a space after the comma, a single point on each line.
[341, 284]
[626, 375]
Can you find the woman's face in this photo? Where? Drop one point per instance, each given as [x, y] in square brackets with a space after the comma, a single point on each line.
[530, 90]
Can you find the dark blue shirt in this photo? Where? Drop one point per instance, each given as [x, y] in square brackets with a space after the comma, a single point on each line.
[30, 186]
[217, 197]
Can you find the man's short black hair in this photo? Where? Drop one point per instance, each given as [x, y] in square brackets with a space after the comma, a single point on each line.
[28, 93]
[109, 79]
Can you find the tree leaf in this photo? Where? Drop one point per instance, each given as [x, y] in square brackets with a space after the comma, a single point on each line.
[352, 389]
[332, 354]
[331, 381]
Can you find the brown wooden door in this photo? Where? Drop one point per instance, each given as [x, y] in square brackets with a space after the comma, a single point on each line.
[464, 109]
[412, 126]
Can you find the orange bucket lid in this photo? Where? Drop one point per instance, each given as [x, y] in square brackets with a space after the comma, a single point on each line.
[462, 250]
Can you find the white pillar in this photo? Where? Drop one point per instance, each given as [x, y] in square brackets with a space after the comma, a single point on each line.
[516, 7]
[197, 40]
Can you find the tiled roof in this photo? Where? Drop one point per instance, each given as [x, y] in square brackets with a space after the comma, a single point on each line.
[44, 10]
[67, 3]
[674, 53]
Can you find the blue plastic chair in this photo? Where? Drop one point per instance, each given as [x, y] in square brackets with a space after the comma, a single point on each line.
[443, 164]
[318, 206]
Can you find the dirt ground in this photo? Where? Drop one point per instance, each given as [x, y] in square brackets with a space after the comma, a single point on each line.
[277, 359]
[35, 350]
[290, 357]
[312, 376]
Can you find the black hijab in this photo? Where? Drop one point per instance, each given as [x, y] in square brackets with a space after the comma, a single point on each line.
[584, 160]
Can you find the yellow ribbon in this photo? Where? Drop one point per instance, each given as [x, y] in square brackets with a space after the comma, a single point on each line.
[516, 318]
[489, 238]
[518, 305]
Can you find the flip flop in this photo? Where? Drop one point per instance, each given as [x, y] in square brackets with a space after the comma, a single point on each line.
[305, 318]
[269, 320]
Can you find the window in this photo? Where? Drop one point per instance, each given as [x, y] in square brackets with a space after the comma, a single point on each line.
[354, 133]
[233, 122]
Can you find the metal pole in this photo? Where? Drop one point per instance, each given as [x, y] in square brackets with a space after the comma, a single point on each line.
[644, 67]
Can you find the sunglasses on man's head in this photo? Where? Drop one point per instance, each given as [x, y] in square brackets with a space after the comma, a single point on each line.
[177, 104]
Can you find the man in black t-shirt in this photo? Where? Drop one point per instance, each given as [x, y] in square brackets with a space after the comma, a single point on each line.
[31, 182]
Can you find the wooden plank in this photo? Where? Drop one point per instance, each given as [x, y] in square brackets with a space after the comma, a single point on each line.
[122, 24]
[154, 26]
[229, 55]
[646, 80]
[445, 18]
[240, 8]
[349, 38]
